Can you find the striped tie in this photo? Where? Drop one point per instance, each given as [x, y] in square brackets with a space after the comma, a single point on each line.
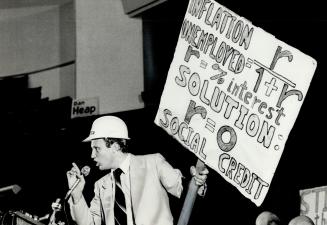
[120, 206]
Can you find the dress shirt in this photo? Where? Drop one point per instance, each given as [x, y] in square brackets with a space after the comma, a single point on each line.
[126, 187]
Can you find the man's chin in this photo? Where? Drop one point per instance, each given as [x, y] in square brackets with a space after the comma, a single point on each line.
[101, 167]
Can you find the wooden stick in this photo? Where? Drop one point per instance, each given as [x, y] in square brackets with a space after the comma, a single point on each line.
[190, 197]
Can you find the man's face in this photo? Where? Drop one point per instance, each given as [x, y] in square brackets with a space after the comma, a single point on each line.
[104, 157]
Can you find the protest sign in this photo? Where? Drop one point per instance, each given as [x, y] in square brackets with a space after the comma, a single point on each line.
[314, 204]
[232, 95]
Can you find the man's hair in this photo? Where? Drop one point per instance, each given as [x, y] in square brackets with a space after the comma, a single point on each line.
[123, 143]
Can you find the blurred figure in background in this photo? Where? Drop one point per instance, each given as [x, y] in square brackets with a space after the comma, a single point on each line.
[267, 218]
[301, 220]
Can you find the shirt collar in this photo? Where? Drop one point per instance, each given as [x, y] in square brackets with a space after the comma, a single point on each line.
[124, 166]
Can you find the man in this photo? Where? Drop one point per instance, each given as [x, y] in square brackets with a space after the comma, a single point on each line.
[267, 218]
[301, 220]
[144, 181]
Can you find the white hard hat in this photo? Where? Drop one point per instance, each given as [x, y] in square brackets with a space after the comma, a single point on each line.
[108, 127]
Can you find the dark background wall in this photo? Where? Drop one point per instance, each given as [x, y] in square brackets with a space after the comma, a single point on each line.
[39, 141]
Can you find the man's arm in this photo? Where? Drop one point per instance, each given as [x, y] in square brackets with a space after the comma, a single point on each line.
[169, 177]
[80, 212]
[172, 178]
[83, 215]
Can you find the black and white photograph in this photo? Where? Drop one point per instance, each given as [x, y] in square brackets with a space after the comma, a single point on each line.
[162, 112]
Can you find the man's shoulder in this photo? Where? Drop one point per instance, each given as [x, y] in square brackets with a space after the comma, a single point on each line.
[154, 156]
[148, 160]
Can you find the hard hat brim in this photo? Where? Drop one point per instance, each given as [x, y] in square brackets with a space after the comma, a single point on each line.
[93, 137]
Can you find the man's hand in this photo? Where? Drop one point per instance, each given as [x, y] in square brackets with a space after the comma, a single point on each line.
[201, 177]
[72, 176]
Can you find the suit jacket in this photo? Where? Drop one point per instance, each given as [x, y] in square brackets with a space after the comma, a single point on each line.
[151, 177]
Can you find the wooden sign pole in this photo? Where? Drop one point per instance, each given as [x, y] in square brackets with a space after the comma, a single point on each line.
[190, 197]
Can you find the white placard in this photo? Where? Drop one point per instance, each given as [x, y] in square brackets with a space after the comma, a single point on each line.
[232, 95]
[314, 204]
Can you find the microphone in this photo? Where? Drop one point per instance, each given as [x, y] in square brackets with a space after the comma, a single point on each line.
[13, 188]
[84, 171]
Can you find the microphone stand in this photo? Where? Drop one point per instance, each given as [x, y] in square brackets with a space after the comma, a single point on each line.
[56, 207]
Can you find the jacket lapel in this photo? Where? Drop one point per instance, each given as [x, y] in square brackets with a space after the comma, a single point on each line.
[137, 176]
[106, 199]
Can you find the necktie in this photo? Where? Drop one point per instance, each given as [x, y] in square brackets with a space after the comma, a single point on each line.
[120, 206]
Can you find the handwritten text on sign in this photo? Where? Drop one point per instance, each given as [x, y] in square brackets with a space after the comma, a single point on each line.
[232, 95]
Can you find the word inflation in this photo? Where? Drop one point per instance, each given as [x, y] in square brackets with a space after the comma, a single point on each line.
[223, 21]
